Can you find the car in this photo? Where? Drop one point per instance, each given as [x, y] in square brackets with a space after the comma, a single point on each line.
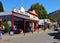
[57, 29]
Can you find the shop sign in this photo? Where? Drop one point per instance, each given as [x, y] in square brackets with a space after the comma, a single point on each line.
[16, 10]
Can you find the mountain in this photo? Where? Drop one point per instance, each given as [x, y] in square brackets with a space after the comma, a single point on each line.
[55, 15]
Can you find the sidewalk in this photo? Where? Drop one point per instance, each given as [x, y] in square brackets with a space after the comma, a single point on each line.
[7, 37]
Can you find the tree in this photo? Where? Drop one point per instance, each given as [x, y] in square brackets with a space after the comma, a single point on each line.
[52, 20]
[1, 7]
[40, 10]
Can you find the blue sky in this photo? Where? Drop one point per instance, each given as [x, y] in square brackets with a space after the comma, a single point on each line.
[50, 5]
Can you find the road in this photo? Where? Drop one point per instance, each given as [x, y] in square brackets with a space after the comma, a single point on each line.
[42, 37]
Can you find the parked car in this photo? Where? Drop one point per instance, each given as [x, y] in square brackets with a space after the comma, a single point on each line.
[57, 29]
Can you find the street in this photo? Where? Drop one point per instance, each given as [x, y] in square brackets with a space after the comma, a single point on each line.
[41, 37]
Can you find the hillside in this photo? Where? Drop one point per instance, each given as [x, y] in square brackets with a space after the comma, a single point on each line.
[55, 15]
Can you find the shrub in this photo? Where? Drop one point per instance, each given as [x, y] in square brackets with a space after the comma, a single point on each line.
[7, 28]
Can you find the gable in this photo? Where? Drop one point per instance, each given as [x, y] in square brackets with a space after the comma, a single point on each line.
[33, 13]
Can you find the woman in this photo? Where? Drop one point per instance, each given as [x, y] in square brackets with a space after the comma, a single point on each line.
[1, 30]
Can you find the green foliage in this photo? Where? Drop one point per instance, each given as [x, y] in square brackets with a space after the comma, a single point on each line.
[6, 25]
[40, 10]
[55, 16]
[1, 7]
[59, 23]
[52, 20]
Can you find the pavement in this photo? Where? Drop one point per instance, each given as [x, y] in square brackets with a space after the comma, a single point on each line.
[41, 37]
[7, 36]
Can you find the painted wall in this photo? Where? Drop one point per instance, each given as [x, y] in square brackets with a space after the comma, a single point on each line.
[32, 17]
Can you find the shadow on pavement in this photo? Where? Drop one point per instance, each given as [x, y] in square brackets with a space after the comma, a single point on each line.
[56, 35]
[55, 42]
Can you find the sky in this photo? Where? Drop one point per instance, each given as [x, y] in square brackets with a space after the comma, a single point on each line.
[50, 5]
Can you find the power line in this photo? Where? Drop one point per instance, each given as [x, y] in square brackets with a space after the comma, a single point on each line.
[21, 2]
[18, 4]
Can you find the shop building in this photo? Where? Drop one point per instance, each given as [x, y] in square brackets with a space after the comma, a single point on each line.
[22, 19]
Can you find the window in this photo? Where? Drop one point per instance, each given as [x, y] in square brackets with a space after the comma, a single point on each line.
[33, 17]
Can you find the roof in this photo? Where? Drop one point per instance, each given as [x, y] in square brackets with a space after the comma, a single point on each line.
[33, 13]
[5, 13]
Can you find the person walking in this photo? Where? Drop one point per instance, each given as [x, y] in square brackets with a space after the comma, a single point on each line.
[45, 27]
[1, 30]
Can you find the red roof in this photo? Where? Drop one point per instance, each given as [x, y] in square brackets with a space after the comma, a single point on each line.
[33, 13]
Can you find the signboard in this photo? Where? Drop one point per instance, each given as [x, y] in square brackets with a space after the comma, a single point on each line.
[16, 10]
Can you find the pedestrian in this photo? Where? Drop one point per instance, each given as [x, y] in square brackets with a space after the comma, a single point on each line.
[1, 30]
[45, 26]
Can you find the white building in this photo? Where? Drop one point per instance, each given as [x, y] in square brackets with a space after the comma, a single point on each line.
[20, 18]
